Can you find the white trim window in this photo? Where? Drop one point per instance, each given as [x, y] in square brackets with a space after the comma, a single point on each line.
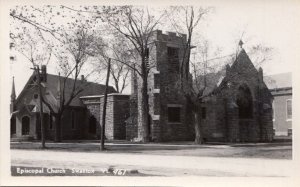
[289, 109]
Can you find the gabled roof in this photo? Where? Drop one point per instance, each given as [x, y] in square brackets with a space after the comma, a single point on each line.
[282, 80]
[242, 63]
[52, 85]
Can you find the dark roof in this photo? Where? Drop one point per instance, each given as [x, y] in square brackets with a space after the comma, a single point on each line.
[52, 85]
[89, 88]
[282, 80]
[212, 81]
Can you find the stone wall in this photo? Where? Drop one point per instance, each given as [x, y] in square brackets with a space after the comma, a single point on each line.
[224, 122]
[117, 111]
[163, 92]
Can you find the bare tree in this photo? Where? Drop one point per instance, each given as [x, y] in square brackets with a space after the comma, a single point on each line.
[118, 51]
[208, 64]
[193, 93]
[77, 46]
[70, 36]
[36, 52]
[136, 24]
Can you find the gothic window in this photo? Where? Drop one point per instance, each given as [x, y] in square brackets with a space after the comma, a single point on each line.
[174, 114]
[244, 102]
[289, 109]
[25, 125]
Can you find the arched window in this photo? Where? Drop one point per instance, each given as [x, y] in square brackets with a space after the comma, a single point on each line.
[244, 102]
[25, 125]
[92, 125]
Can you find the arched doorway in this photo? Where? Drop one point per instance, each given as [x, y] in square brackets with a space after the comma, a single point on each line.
[92, 125]
[25, 125]
[245, 113]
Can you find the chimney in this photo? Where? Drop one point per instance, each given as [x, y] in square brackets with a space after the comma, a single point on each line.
[44, 73]
[82, 78]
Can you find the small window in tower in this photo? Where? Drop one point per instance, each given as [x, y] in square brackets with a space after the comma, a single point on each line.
[173, 59]
[36, 96]
[174, 114]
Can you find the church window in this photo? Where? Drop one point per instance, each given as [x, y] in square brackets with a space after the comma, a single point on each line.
[174, 114]
[244, 102]
[25, 125]
[173, 59]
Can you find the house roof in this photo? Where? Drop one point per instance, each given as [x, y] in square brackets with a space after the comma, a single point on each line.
[52, 85]
[282, 80]
[89, 88]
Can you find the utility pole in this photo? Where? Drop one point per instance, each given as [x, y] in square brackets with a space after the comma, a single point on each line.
[104, 108]
[37, 70]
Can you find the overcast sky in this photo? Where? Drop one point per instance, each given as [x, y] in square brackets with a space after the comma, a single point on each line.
[269, 23]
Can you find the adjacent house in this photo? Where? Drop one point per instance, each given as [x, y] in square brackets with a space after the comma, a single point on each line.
[280, 85]
[77, 122]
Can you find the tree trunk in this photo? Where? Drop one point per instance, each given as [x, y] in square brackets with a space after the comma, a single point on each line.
[43, 130]
[104, 108]
[197, 124]
[145, 130]
[145, 111]
[57, 128]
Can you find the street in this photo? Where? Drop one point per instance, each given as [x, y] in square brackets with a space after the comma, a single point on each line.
[165, 164]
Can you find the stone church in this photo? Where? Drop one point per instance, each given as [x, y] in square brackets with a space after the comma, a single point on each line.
[238, 108]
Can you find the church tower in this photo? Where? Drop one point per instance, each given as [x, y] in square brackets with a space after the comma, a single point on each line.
[12, 96]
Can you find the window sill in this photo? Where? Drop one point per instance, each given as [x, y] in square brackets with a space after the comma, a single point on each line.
[289, 120]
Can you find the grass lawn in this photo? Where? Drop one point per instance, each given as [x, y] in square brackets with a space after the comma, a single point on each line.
[277, 150]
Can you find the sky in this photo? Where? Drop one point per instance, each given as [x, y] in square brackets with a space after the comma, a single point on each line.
[271, 24]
